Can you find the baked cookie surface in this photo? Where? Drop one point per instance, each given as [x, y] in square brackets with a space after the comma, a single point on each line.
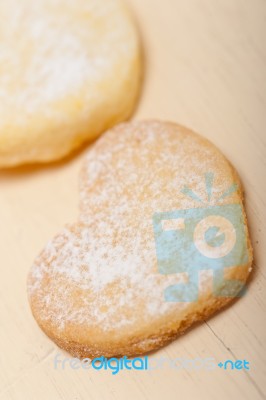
[68, 71]
[161, 242]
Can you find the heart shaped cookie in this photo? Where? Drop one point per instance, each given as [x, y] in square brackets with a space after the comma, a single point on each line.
[161, 242]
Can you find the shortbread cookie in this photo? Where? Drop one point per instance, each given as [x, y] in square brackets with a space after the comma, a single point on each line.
[161, 242]
[69, 69]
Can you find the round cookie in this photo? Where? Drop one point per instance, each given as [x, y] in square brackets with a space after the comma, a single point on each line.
[68, 71]
[145, 260]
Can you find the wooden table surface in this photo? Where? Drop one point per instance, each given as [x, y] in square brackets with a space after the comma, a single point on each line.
[205, 68]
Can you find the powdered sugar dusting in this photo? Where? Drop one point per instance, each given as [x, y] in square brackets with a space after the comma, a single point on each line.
[52, 50]
[103, 270]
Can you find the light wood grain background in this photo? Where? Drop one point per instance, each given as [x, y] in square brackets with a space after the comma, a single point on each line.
[205, 68]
